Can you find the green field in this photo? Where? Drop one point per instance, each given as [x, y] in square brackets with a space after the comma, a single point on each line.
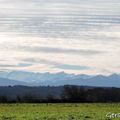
[57, 111]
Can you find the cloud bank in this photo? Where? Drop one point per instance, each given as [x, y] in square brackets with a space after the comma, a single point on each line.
[75, 36]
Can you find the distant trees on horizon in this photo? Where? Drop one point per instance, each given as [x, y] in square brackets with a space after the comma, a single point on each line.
[68, 94]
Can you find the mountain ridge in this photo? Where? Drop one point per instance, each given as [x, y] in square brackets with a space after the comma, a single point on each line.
[58, 79]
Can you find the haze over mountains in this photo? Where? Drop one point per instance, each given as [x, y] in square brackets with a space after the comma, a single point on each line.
[57, 79]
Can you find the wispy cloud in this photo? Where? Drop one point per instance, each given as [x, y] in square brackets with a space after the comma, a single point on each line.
[15, 65]
[71, 67]
[57, 65]
[59, 50]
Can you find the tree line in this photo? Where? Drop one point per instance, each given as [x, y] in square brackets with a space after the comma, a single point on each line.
[68, 94]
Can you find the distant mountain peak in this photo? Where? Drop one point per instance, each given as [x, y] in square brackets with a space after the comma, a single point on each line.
[60, 78]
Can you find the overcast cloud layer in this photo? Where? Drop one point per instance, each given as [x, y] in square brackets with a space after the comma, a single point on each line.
[75, 36]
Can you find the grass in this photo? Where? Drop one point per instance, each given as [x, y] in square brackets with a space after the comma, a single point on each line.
[57, 111]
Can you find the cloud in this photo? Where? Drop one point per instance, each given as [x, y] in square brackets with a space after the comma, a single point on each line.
[5, 66]
[53, 64]
[61, 19]
[63, 34]
[71, 67]
[59, 50]
[16, 65]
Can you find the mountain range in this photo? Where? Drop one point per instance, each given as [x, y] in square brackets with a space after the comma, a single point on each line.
[57, 79]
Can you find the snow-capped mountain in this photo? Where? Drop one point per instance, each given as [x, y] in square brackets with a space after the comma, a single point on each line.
[35, 77]
[61, 78]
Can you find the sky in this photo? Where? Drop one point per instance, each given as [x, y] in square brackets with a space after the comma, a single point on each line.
[74, 36]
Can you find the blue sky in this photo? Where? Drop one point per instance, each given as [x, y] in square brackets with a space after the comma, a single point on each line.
[74, 36]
